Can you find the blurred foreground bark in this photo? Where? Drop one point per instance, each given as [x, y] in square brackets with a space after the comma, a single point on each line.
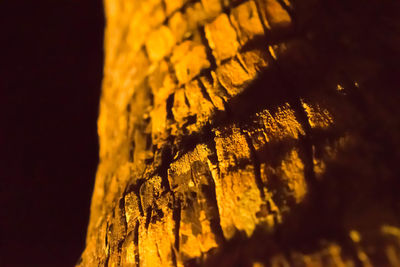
[248, 133]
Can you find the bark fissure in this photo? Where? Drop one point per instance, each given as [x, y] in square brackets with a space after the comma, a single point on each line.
[177, 218]
[256, 164]
[136, 243]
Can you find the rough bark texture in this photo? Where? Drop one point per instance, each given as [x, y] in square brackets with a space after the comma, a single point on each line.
[248, 133]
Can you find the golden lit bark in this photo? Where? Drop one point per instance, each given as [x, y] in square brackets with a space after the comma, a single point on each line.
[247, 133]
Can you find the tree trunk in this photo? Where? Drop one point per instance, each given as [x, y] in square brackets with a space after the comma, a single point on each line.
[248, 133]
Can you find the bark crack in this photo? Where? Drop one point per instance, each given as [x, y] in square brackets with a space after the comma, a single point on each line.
[136, 243]
[176, 215]
[256, 164]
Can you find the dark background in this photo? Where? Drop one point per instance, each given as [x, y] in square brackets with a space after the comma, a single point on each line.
[50, 79]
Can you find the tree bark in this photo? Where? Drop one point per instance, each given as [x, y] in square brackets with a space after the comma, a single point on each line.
[248, 133]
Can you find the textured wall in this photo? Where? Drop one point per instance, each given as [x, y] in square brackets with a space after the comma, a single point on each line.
[248, 133]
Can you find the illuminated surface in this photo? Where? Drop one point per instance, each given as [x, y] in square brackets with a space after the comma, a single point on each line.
[216, 131]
